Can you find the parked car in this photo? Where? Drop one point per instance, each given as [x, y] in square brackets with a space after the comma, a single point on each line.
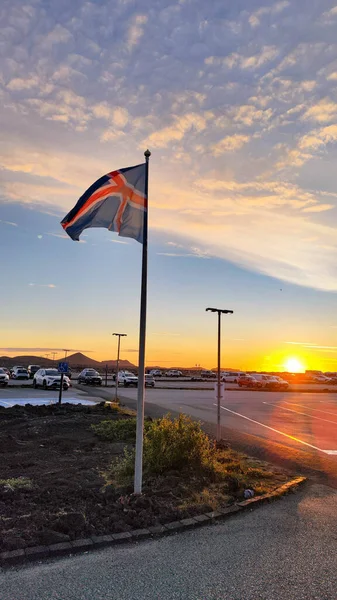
[50, 379]
[127, 379]
[32, 369]
[4, 377]
[90, 377]
[173, 373]
[12, 369]
[7, 371]
[231, 376]
[208, 374]
[248, 381]
[149, 381]
[271, 382]
[155, 373]
[282, 384]
[20, 373]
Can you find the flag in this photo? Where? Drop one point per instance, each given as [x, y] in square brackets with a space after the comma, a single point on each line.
[116, 201]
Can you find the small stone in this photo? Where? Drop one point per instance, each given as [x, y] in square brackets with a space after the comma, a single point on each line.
[157, 529]
[82, 544]
[63, 548]
[215, 514]
[12, 556]
[188, 523]
[140, 533]
[37, 552]
[121, 537]
[201, 518]
[102, 540]
[174, 525]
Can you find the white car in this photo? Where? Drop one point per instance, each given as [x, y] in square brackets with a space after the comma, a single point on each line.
[231, 376]
[20, 373]
[127, 379]
[50, 379]
[149, 381]
[4, 378]
[173, 373]
[155, 373]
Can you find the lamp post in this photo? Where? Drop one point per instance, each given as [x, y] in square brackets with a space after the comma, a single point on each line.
[117, 364]
[220, 311]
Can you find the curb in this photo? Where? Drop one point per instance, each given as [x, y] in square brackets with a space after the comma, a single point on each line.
[15, 557]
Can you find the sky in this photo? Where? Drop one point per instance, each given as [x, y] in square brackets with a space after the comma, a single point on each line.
[237, 102]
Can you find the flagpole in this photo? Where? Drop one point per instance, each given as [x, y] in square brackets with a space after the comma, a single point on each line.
[142, 338]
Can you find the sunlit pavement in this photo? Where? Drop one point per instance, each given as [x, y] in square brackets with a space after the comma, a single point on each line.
[17, 396]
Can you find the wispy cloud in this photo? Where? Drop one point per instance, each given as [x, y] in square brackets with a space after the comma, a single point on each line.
[9, 223]
[41, 349]
[118, 242]
[43, 285]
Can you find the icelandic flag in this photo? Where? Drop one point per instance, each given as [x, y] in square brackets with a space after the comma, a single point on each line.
[116, 201]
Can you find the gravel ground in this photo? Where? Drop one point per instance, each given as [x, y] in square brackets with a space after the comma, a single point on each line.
[282, 551]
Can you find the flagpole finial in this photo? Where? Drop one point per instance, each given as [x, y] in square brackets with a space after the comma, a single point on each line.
[147, 153]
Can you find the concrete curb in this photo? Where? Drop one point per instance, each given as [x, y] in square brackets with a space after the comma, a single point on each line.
[21, 556]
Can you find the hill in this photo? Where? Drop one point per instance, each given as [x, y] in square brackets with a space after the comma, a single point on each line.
[123, 364]
[25, 360]
[81, 360]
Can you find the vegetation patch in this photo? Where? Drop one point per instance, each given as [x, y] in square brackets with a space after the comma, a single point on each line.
[67, 472]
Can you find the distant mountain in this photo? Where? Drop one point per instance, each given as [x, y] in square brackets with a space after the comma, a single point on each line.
[80, 360]
[11, 361]
[123, 364]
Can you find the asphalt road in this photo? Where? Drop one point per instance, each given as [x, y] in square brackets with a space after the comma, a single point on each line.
[298, 431]
[281, 551]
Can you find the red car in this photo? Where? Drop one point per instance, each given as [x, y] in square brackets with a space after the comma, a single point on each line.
[247, 381]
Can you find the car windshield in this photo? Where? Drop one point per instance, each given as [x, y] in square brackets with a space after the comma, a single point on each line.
[52, 372]
[91, 372]
[2, 372]
[21, 371]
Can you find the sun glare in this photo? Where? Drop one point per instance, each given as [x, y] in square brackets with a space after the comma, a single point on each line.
[293, 365]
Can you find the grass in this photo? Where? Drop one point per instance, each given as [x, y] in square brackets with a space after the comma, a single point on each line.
[19, 483]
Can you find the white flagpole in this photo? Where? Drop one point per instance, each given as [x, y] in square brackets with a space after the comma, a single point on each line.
[142, 338]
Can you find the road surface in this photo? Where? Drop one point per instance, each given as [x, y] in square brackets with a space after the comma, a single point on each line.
[296, 430]
[282, 551]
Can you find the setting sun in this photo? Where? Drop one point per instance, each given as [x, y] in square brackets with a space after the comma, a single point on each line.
[293, 365]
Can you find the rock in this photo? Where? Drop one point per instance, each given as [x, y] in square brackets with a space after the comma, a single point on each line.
[49, 536]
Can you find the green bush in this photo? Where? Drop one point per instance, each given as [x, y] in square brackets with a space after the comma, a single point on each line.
[169, 445]
[123, 430]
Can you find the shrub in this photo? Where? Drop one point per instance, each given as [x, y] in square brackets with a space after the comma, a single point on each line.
[123, 430]
[169, 445]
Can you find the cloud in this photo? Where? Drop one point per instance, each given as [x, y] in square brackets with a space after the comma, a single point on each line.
[176, 131]
[240, 118]
[119, 242]
[9, 223]
[25, 349]
[44, 285]
[229, 143]
[255, 17]
[59, 235]
[319, 208]
[322, 112]
[136, 31]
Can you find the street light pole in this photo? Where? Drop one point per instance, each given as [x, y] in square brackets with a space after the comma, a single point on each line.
[117, 364]
[220, 311]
